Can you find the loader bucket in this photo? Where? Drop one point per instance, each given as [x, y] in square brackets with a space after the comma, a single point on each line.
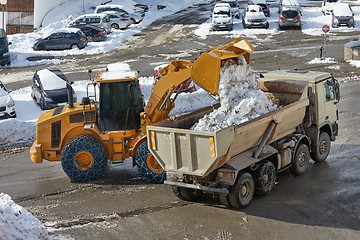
[206, 69]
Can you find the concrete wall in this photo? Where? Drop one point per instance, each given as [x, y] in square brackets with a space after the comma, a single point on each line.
[42, 7]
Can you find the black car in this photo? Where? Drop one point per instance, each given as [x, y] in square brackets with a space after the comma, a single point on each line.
[49, 88]
[93, 33]
[61, 39]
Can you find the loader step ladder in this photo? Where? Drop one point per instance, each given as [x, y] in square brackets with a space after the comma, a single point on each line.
[117, 148]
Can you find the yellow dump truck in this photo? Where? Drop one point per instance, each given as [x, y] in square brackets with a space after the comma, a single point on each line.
[240, 160]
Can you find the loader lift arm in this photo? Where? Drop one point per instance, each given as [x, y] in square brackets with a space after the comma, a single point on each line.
[205, 72]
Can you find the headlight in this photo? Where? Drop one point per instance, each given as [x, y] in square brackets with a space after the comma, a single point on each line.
[10, 103]
[351, 20]
[47, 99]
[336, 21]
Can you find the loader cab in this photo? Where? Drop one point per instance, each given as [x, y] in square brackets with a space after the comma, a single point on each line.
[120, 102]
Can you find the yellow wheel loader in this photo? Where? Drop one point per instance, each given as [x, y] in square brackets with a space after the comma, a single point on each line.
[112, 126]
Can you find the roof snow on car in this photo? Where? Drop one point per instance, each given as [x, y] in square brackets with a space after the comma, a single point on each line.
[342, 10]
[50, 80]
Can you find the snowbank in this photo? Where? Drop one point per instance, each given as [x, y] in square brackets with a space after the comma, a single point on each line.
[17, 223]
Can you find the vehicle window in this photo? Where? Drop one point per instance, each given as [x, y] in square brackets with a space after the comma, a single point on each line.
[289, 14]
[67, 35]
[329, 91]
[56, 36]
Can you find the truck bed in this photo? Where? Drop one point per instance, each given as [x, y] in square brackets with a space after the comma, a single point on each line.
[183, 151]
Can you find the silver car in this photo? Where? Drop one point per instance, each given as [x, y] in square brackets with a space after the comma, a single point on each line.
[289, 18]
[254, 17]
[100, 20]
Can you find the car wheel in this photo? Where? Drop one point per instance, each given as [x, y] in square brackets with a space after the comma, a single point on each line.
[115, 26]
[132, 21]
[74, 46]
[90, 38]
[8, 63]
[41, 47]
[42, 103]
[33, 95]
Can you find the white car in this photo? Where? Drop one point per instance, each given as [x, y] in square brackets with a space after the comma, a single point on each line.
[327, 6]
[254, 17]
[135, 16]
[7, 104]
[221, 17]
[342, 15]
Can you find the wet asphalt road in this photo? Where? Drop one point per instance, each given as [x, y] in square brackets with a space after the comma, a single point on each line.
[322, 204]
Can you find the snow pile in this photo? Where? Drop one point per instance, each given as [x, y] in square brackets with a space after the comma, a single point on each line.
[13, 131]
[240, 99]
[328, 60]
[17, 223]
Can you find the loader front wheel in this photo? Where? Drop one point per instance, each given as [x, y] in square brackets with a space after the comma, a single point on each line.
[83, 158]
[147, 165]
[242, 192]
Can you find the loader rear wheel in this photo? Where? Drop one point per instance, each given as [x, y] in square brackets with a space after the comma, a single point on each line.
[322, 148]
[187, 194]
[242, 192]
[83, 158]
[265, 178]
[301, 159]
[147, 165]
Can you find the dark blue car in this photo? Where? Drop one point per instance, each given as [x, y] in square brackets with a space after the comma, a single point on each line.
[61, 39]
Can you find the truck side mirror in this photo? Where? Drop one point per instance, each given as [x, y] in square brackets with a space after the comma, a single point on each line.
[337, 90]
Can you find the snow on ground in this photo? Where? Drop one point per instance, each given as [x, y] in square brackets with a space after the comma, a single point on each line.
[21, 47]
[17, 223]
[240, 99]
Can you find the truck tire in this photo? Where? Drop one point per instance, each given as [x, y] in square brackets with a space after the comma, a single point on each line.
[224, 199]
[242, 192]
[148, 166]
[265, 177]
[300, 161]
[322, 148]
[187, 194]
[83, 158]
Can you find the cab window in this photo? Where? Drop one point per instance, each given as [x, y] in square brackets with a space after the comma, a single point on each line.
[329, 91]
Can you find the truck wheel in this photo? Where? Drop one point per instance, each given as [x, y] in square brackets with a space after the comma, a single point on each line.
[265, 178]
[322, 148]
[224, 199]
[148, 166]
[187, 194]
[301, 160]
[83, 158]
[242, 192]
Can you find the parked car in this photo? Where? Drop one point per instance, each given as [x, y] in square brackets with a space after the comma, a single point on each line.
[7, 104]
[327, 6]
[289, 17]
[254, 17]
[221, 17]
[143, 7]
[235, 11]
[119, 20]
[60, 39]
[4, 49]
[49, 88]
[188, 86]
[93, 33]
[342, 15]
[289, 4]
[100, 20]
[135, 17]
[263, 4]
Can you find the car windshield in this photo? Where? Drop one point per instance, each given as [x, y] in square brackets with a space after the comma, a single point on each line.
[50, 81]
[232, 4]
[221, 12]
[289, 14]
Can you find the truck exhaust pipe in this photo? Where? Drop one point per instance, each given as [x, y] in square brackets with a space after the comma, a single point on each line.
[70, 95]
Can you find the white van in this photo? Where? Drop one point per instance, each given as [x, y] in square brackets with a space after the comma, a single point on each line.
[222, 17]
[289, 4]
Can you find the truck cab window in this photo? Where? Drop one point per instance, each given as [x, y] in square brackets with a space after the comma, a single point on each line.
[329, 91]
